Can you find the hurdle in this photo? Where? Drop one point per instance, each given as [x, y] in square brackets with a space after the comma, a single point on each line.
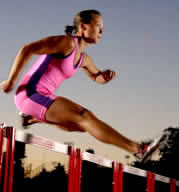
[76, 158]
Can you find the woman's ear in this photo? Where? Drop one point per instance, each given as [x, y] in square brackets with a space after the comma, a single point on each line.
[83, 26]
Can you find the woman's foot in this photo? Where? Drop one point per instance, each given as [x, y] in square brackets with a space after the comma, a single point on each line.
[145, 151]
[27, 120]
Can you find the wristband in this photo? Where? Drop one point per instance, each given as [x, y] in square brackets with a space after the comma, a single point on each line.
[105, 75]
[96, 75]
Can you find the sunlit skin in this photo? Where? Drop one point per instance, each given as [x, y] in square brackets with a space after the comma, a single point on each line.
[64, 113]
[93, 32]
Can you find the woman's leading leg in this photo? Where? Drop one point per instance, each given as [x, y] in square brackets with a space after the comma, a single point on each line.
[66, 113]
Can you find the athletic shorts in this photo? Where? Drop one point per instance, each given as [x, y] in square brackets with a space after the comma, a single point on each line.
[34, 104]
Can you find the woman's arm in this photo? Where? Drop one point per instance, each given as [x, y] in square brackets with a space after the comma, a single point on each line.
[47, 45]
[94, 73]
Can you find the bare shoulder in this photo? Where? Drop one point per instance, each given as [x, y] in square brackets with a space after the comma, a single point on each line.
[64, 43]
[52, 44]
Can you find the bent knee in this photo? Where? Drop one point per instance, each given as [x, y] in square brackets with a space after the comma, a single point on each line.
[86, 117]
[86, 114]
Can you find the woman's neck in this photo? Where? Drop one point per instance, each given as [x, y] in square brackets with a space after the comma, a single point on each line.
[81, 42]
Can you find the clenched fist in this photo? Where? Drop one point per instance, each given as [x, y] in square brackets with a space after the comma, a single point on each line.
[108, 74]
[7, 86]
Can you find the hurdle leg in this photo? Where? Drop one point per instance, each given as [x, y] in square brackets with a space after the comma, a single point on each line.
[172, 185]
[150, 182]
[75, 166]
[71, 169]
[9, 163]
[117, 177]
[1, 150]
[115, 167]
[78, 170]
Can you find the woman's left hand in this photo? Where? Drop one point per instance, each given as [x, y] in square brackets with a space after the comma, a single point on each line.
[108, 75]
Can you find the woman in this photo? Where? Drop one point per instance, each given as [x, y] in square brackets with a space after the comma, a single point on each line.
[60, 57]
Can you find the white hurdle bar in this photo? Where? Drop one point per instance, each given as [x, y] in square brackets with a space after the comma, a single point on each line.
[75, 162]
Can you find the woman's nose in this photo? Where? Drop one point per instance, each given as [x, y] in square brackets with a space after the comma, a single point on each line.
[101, 31]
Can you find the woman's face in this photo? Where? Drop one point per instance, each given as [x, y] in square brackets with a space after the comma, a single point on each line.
[93, 31]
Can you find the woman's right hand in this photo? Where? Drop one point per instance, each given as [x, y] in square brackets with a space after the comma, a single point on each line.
[7, 86]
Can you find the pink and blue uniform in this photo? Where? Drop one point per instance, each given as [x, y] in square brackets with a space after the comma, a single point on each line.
[36, 90]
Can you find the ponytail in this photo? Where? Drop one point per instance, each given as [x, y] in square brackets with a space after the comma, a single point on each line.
[70, 30]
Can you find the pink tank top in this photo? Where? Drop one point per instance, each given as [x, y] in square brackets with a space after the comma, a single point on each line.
[48, 71]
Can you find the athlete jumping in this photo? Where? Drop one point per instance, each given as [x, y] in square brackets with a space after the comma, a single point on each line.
[59, 58]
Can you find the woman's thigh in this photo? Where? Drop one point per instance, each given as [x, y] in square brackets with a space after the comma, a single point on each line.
[64, 111]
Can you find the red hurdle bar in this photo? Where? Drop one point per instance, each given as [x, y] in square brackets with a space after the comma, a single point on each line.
[75, 162]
